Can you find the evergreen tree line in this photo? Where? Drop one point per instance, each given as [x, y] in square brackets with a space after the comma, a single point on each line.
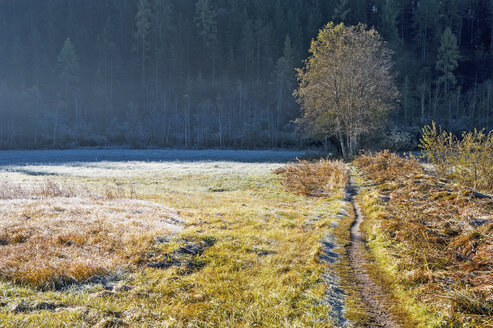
[221, 73]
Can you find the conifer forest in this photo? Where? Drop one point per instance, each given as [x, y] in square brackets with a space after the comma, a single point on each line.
[221, 73]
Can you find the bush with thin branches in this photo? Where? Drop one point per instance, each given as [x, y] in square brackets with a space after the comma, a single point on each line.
[467, 160]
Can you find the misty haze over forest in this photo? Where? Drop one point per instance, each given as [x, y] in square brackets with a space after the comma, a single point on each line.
[221, 73]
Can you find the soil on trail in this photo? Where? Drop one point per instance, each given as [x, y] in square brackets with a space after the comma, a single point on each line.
[372, 294]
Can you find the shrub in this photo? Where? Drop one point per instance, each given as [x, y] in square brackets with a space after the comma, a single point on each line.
[399, 141]
[468, 160]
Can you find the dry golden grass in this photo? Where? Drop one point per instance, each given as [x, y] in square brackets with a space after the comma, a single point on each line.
[318, 179]
[386, 166]
[263, 268]
[50, 237]
[435, 238]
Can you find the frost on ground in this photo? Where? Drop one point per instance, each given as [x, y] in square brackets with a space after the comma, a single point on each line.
[154, 155]
[135, 163]
[59, 232]
[53, 233]
[247, 256]
[50, 236]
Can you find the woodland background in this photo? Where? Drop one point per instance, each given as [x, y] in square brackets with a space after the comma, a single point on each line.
[221, 73]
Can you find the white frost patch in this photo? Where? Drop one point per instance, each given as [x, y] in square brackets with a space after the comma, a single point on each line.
[140, 169]
[56, 215]
[60, 240]
[138, 163]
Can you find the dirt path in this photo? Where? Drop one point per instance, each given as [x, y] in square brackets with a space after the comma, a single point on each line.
[372, 294]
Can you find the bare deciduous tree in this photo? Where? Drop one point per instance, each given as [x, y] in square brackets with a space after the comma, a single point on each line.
[346, 87]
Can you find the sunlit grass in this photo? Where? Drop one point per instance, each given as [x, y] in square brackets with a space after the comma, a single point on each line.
[319, 178]
[50, 236]
[260, 267]
[431, 241]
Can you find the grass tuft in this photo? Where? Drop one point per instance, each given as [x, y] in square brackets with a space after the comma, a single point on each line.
[316, 179]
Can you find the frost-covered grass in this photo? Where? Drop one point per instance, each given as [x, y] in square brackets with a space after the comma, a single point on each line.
[138, 163]
[51, 236]
[21, 157]
[138, 169]
[248, 255]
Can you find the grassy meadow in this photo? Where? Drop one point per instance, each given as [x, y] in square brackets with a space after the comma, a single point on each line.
[236, 249]
[239, 243]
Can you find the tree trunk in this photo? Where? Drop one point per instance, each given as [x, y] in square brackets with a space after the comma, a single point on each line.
[258, 59]
[488, 102]
[213, 69]
[423, 105]
[76, 109]
[12, 131]
[143, 64]
[221, 143]
[278, 114]
[55, 127]
[343, 147]
[111, 86]
[457, 104]
[165, 120]
[36, 127]
[435, 102]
